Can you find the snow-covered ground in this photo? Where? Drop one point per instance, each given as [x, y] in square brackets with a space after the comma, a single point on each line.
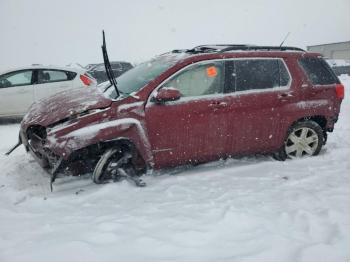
[251, 209]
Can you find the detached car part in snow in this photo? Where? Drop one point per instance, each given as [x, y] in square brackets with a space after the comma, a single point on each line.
[188, 107]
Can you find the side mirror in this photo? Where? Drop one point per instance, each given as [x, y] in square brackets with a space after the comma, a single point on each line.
[167, 94]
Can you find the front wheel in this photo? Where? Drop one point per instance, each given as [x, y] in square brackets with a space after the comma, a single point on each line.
[303, 139]
[106, 169]
[115, 165]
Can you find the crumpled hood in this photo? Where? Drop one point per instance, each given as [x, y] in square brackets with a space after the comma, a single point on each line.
[64, 104]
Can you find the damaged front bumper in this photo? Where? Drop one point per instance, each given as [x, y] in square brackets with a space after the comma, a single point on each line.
[50, 162]
[45, 157]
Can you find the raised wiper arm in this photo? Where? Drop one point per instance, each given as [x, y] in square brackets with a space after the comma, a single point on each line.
[108, 67]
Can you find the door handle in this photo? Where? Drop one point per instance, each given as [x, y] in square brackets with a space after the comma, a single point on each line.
[285, 96]
[217, 105]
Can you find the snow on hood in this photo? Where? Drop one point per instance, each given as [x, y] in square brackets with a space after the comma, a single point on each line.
[63, 105]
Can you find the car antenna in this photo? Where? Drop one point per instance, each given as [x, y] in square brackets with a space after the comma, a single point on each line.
[108, 67]
[285, 39]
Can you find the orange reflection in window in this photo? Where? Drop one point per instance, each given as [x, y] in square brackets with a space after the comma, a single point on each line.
[212, 71]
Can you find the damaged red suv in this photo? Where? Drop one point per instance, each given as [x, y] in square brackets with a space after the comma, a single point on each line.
[188, 106]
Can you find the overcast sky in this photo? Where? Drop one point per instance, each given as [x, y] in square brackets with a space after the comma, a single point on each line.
[64, 31]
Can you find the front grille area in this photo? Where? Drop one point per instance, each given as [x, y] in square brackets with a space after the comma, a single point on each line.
[36, 131]
[36, 136]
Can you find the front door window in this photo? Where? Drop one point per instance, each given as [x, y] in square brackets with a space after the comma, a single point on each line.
[16, 92]
[21, 78]
[199, 80]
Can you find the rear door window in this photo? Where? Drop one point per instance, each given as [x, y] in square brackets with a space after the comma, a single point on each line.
[255, 74]
[318, 71]
[49, 76]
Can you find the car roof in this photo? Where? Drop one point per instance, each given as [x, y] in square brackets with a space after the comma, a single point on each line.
[221, 48]
[66, 68]
[212, 52]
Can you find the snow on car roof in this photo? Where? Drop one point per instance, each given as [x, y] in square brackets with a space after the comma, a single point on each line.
[66, 68]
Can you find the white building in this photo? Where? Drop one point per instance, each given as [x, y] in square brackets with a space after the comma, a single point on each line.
[339, 50]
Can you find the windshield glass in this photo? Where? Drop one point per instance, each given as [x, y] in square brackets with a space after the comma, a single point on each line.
[137, 77]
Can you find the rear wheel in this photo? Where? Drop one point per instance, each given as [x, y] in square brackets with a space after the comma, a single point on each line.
[304, 139]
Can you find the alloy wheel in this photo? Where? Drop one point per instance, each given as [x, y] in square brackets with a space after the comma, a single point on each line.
[301, 142]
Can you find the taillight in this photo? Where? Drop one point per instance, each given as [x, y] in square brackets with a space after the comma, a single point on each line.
[339, 90]
[86, 80]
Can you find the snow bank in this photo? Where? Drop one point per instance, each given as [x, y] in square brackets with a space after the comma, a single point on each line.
[250, 209]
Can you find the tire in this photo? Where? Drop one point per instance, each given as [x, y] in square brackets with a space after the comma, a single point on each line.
[303, 139]
[106, 168]
[99, 175]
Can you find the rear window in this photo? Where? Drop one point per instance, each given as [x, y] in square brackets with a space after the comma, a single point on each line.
[318, 71]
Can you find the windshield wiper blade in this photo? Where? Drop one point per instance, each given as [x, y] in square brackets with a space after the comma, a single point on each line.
[108, 67]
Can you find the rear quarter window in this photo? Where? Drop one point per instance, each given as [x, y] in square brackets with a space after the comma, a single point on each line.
[71, 75]
[318, 71]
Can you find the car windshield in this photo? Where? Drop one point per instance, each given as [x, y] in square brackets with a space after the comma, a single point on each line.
[137, 77]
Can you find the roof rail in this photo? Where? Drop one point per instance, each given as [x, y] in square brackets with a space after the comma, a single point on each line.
[266, 48]
[222, 48]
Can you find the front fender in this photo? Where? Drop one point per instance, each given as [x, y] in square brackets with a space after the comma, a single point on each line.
[130, 128]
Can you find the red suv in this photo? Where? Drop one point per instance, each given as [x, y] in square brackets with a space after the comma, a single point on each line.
[188, 106]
